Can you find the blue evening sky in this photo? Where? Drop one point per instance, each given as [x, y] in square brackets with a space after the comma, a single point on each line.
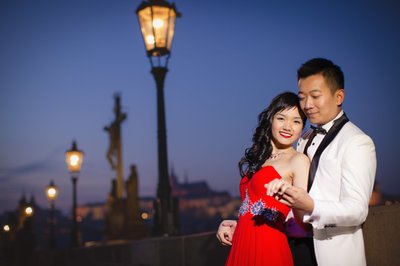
[62, 61]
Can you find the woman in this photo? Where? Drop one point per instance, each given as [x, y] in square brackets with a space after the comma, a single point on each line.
[259, 237]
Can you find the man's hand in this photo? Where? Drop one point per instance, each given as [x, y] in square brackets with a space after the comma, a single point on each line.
[292, 196]
[298, 198]
[225, 232]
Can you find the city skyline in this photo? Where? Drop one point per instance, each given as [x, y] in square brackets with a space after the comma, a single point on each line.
[63, 62]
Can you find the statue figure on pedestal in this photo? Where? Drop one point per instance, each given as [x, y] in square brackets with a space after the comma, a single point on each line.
[114, 132]
[114, 152]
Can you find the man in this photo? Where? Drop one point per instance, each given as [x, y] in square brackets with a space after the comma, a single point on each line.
[342, 171]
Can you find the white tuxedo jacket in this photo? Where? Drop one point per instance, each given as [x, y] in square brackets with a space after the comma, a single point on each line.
[341, 191]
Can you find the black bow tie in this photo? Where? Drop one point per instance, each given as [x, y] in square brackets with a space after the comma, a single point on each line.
[319, 130]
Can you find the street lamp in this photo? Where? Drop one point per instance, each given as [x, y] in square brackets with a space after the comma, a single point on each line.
[28, 211]
[52, 193]
[157, 24]
[74, 158]
[6, 228]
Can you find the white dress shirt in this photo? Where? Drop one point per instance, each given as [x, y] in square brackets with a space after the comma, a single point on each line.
[319, 137]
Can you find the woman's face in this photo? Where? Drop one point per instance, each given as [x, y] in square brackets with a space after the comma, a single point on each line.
[286, 127]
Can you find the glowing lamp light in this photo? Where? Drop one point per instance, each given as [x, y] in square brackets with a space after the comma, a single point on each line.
[150, 39]
[51, 191]
[145, 216]
[74, 158]
[6, 228]
[29, 211]
[157, 23]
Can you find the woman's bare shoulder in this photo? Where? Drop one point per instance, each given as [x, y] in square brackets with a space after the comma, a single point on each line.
[299, 158]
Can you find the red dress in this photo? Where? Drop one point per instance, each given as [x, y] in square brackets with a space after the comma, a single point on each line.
[259, 237]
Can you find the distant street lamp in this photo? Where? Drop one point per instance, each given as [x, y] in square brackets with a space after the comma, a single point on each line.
[52, 193]
[6, 228]
[74, 158]
[157, 24]
[28, 211]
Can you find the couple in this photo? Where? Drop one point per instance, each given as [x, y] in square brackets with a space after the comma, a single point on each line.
[326, 184]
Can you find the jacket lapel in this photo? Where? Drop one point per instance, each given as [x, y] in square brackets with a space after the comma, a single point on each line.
[337, 126]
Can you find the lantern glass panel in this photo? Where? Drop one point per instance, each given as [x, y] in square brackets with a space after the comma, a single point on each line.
[171, 28]
[51, 192]
[157, 26]
[146, 28]
[74, 160]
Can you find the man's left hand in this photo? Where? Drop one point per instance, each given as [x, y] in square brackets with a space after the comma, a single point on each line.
[297, 198]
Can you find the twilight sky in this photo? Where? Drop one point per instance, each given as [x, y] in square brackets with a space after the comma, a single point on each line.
[62, 61]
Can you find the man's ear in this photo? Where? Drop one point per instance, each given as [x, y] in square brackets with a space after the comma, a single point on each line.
[339, 96]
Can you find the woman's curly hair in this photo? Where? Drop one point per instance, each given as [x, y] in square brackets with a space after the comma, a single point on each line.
[255, 156]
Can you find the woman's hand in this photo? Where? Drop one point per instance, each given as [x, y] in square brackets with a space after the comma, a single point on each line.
[225, 232]
[292, 196]
[277, 188]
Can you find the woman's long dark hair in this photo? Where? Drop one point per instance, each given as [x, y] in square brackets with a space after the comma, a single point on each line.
[255, 156]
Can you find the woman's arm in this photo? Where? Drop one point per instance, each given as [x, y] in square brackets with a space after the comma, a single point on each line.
[300, 165]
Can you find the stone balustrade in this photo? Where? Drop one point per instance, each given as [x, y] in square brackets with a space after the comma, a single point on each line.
[381, 232]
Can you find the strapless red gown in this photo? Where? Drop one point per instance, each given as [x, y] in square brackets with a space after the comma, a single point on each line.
[259, 237]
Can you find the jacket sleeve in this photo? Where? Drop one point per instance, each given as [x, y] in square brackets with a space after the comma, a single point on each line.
[358, 168]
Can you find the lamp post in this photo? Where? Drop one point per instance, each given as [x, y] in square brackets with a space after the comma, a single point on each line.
[74, 158]
[157, 23]
[52, 193]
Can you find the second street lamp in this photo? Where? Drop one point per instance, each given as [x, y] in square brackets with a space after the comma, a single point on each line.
[74, 159]
[28, 211]
[157, 24]
[52, 193]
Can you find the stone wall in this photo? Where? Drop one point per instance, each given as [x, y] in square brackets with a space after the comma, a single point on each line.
[381, 232]
[382, 235]
[192, 250]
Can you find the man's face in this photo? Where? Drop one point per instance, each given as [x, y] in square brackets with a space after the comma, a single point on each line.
[317, 101]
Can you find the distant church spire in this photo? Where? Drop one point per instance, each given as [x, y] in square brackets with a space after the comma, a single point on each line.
[186, 177]
[32, 202]
[22, 200]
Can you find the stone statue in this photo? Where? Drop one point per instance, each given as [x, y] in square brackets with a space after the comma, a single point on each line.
[132, 195]
[112, 148]
[114, 134]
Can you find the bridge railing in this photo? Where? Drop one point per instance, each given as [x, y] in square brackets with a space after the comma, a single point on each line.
[381, 233]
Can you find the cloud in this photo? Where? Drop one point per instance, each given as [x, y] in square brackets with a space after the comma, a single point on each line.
[47, 164]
